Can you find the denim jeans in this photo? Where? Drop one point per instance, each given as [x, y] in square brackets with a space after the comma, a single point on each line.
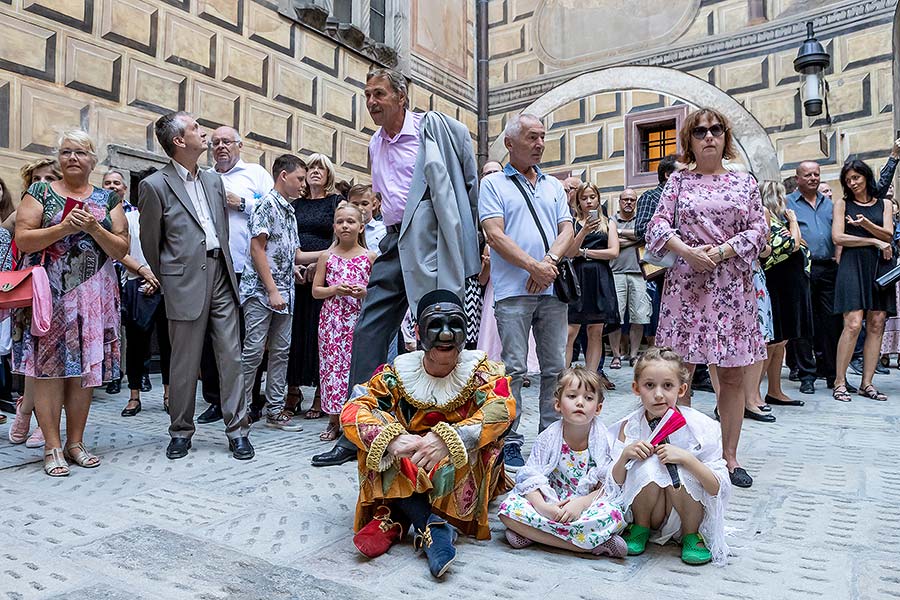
[548, 318]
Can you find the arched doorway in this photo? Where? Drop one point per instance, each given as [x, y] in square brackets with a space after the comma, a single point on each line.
[750, 136]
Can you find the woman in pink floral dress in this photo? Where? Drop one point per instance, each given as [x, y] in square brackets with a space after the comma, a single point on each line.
[341, 278]
[713, 220]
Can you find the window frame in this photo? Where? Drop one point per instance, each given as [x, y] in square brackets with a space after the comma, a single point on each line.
[634, 124]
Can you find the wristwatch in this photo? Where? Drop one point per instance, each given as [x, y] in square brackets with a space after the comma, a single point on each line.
[243, 205]
[553, 257]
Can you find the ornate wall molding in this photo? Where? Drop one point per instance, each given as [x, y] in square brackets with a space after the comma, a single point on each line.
[831, 22]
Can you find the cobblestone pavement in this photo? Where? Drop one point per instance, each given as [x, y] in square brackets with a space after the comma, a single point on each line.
[821, 520]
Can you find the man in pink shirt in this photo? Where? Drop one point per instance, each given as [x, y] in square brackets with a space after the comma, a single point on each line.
[442, 208]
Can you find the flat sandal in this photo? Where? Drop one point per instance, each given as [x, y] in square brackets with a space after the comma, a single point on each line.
[870, 391]
[83, 458]
[55, 464]
[840, 393]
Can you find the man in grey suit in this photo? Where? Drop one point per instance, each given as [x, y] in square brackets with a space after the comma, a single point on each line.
[424, 168]
[184, 236]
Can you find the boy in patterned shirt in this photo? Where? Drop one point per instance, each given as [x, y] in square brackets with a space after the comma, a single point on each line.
[267, 287]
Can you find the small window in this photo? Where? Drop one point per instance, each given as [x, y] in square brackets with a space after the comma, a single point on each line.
[342, 10]
[650, 135]
[377, 19]
[657, 141]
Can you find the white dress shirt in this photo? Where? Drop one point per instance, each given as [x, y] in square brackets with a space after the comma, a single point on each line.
[198, 198]
[250, 182]
[375, 230]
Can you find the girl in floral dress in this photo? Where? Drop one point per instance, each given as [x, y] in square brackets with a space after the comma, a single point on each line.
[558, 499]
[342, 275]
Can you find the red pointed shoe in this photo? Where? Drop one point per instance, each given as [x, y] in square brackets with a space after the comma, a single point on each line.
[379, 534]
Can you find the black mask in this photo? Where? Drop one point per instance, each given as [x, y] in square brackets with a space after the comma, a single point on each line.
[442, 324]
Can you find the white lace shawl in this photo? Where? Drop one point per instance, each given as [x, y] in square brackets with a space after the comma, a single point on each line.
[702, 437]
[545, 455]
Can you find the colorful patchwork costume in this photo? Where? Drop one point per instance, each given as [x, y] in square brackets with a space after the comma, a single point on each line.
[470, 409]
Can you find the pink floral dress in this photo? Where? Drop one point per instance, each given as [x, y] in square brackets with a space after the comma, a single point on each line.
[711, 317]
[336, 324]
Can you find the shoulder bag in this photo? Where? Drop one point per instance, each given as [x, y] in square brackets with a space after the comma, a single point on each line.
[565, 286]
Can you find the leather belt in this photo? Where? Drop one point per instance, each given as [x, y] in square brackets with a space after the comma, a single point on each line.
[214, 253]
[393, 228]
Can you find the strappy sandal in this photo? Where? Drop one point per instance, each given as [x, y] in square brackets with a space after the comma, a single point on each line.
[55, 464]
[616, 363]
[870, 391]
[292, 401]
[79, 455]
[330, 434]
[21, 425]
[841, 394]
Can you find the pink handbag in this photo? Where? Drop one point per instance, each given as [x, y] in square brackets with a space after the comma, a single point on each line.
[28, 287]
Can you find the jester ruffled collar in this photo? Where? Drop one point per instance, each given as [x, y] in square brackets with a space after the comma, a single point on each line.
[426, 391]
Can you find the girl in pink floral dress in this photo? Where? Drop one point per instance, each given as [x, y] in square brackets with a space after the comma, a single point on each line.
[341, 278]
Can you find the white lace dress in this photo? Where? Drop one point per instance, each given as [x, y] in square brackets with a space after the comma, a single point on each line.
[559, 473]
[702, 437]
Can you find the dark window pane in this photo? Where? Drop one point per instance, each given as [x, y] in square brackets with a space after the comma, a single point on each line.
[377, 20]
[343, 10]
[656, 141]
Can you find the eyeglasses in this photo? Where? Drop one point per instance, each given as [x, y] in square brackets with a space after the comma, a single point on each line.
[223, 143]
[699, 133]
[79, 154]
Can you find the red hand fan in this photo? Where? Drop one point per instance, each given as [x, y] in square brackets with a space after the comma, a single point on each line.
[671, 422]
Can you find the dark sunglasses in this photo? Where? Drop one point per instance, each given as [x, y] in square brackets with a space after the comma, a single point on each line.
[716, 130]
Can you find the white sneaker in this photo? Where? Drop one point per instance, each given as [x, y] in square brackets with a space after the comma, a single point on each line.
[284, 422]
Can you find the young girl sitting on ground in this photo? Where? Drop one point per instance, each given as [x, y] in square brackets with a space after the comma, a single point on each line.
[558, 499]
[693, 510]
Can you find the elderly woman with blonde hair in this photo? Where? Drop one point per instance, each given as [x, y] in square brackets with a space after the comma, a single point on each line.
[75, 230]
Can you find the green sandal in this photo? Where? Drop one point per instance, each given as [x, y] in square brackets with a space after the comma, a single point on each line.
[636, 538]
[692, 552]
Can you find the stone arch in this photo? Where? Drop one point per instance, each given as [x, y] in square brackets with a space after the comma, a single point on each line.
[750, 136]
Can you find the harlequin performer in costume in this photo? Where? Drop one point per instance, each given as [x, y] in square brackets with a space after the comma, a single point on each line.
[429, 429]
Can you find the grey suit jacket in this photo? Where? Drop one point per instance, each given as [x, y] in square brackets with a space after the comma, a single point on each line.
[438, 242]
[173, 240]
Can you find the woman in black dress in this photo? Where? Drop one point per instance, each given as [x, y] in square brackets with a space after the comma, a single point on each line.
[863, 228]
[315, 226]
[787, 279]
[596, 243]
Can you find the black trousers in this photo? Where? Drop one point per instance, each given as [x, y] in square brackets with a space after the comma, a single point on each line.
[137, 351]
[817, 357]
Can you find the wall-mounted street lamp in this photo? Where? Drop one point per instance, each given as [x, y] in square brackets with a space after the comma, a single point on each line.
[811, 62]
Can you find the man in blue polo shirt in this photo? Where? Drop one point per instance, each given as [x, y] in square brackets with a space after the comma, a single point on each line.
[523, 269]
[813, 211]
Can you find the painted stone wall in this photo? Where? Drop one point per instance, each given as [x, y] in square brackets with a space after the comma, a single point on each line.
[113, 66]
[750, 59]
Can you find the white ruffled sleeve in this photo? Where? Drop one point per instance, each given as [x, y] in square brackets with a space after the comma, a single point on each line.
[534, 475]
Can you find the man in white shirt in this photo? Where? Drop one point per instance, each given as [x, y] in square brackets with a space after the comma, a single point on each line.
[245, 184]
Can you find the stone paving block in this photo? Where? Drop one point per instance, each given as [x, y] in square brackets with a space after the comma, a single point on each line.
[99, 591]
[276, 536]
[53, 520]
[329, 492]
[180, 508]
[28, 573]
[181, 566]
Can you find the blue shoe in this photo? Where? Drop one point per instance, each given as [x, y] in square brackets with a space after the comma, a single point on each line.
[437, 542]
[512, 457]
